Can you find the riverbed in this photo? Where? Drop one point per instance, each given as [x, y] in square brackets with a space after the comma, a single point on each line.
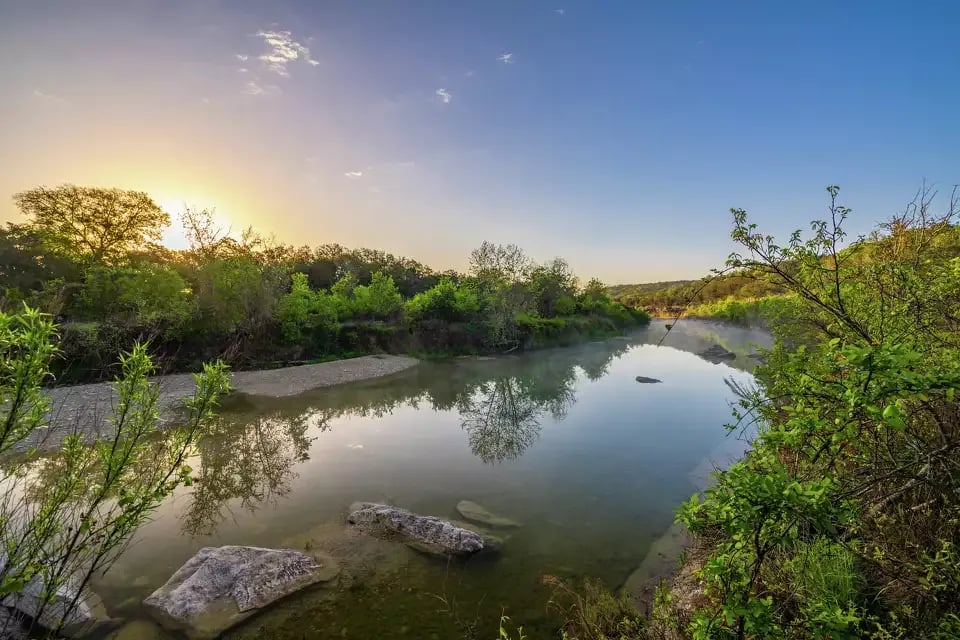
[590, 462]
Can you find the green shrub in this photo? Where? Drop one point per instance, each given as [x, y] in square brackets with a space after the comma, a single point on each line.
[446, 301]
[146, 295]
[306, 312]
[379, 299]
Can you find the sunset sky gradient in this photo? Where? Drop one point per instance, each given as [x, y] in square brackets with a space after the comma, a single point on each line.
[615, 134]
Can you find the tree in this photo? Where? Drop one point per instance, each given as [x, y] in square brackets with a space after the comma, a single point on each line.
[95, 224]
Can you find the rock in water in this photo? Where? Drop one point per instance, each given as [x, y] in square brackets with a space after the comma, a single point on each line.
[220, 586]
[646, 380]
[492, 543]
[475, 513]
[82, 617]
[716, 353]
[424, 533]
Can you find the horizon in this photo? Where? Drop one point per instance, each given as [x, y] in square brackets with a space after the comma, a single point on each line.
[615, 136]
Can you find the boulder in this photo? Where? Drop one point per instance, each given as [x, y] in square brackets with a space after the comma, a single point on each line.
[716, 353]
[424, 533]
[81, 618]
[646, 380]
[475, 513]
[220, 586]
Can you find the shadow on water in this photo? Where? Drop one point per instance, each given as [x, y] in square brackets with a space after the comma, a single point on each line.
[565, 440]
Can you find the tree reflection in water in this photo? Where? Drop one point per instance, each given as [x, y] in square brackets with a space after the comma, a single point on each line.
[250, 458]
[252, 463]
[502, 416]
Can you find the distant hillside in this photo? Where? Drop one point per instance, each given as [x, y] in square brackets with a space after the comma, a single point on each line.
[618, 290]
[672, 296]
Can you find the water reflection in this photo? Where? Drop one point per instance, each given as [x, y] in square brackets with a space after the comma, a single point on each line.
[250, 459]
[251, 464]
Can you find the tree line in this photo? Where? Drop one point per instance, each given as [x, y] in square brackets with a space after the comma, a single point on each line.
[91, 257]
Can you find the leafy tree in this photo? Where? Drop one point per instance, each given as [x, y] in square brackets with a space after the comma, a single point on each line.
[237, 295]
[93, 224]
[26, 263]
[379, 299]
[553, 286]
[143, 296]
[304, 311]
[446, 302]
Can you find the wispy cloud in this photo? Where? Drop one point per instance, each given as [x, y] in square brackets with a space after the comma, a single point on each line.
[50, 98]
[242, 70]
[470, 74]
[254, 88]
[560, 12]
[283, 51]
[444, 95]
[242, 57]
[353, 175]
[506, 58]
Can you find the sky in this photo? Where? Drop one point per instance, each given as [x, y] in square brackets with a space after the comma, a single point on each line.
[615, 134]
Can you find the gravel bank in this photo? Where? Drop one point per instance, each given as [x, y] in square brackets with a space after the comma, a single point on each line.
[85, 407]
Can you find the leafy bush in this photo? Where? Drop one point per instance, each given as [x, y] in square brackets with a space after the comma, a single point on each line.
[237, 294]
[77, 505]
[445, 301]
[852, 486]
[304, 311]
[379, 299]
[147, 295]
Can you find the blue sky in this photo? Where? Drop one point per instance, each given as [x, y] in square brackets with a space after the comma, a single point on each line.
[616, 134]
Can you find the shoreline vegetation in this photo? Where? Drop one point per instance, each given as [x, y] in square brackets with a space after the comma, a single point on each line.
[842, 520]
[89, 257]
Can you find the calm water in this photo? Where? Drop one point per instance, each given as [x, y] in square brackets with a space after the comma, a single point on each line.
[565, 441]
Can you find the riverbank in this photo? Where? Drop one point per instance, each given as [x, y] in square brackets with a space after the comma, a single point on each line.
[86, 408]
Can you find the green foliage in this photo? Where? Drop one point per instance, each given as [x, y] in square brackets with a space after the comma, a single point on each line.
[504, 634]
[304, 311]
[744, 311]
[236, 294]
[379, 299]
[141, 296]
[78, 506]
[852, 487]
[446, 301]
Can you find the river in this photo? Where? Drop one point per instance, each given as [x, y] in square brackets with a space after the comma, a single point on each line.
[592, 463]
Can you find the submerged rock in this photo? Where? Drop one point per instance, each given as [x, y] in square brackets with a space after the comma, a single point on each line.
[476, 513]
[220, 586]
[73, 620]
[138, 630]
[646, 380]
[716, 353]
[492, 543]
[425, 533]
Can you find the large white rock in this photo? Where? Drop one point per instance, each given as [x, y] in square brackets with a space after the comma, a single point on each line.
[220, 586]
[424, 533]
